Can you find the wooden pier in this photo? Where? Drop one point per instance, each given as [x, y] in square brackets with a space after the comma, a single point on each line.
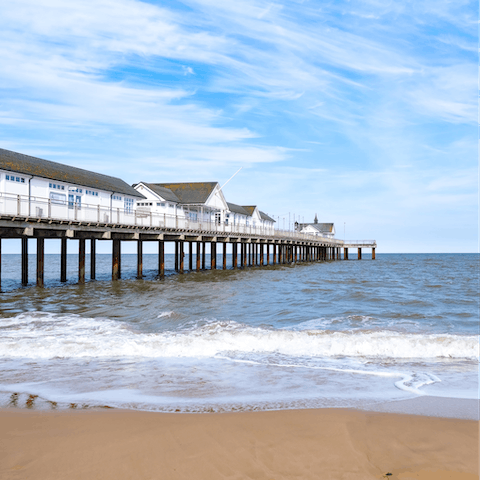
[247, 249]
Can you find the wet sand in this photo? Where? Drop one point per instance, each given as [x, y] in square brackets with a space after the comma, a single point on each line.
[291, 444]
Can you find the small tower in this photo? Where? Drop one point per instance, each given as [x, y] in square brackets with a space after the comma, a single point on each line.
[315, 220]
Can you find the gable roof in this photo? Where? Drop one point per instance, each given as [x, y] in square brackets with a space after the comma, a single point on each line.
[27, 165]
[321, 227]
[164, 192]
[191, 192]
[237, 209]
[264, 216]
[249, 209]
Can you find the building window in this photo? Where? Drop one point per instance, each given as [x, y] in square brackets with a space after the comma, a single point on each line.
[91, 192]
[11, 178]
[128, 205]
[116, 197]
[56, 186]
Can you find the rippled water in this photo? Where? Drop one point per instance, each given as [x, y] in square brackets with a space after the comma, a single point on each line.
[344, 333]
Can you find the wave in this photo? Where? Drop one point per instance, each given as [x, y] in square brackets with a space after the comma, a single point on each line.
[43, 335]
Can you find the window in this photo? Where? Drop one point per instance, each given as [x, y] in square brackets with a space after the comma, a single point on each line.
[11, 178]
[78, 190]
[116, 197]
[193, 216]
[128, 205]
[91, 192]
[56, 186]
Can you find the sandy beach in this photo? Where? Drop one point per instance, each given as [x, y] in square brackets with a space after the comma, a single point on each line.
[293, 444]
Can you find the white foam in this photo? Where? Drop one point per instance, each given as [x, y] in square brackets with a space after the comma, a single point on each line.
[40, 335]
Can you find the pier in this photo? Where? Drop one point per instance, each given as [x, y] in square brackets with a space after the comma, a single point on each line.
[250, 246]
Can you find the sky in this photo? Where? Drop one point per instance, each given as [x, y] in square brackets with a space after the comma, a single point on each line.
[362, 112]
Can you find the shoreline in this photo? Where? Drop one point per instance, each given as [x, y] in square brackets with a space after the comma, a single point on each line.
[285, 444]
[424, 405]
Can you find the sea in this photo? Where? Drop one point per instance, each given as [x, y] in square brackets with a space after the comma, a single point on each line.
[353, 334]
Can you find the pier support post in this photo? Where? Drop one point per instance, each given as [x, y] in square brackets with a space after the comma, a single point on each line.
[161, 258]
[181, 256]
[224, 256]
[24, 261]
[197, 252]
[40, 261]
[261, 254]
[190, 256]
[176, 255]
[213, 256]
[93, 253]
[345, 253]
[234, 255]
[204, 247]
[373, 253]
[268, 254]
[139, 259]
[0, 264]
[63, 260]
[116, 259]
[244, 261]
[81, 261]
[359, 253]
[274, 254]
[280, 253]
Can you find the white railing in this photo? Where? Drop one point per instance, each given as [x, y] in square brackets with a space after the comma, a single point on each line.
[44, 208]
[360, 242]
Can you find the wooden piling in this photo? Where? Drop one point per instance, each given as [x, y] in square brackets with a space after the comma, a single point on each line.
[40, 261]
[359, 253]
[139, 259]
[235, 255]
[213, 256]
[176, 256]
[63, 260]
[0, 263]
[204, 246]
[373, 253]
[190, 256]
[181, 256]
[161, 258]
[268, 254]
[93, 252]
[81, 261]
[224, 257]
[115, 259]
[24, 261]
[345, 253]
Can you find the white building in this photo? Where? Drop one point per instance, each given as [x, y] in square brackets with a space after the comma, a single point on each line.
[189, 205]
[317, 229]
[34, 187]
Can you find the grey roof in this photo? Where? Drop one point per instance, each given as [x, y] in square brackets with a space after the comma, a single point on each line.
[165, 193]
[264, 216]
[191, 192]
[237, 209]
[27, 165]
[321, 227]
[250, 209]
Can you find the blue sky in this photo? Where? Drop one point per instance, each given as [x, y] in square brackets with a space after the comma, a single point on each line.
[364, 112]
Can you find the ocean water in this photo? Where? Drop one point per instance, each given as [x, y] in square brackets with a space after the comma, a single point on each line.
[329, 334]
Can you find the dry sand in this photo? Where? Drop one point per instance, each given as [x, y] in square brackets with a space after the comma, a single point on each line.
[293, 444]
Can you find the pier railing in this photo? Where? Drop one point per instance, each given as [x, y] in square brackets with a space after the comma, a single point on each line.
[40, 208]
[359, 243]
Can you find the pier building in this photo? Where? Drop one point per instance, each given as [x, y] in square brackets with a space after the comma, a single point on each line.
[40, 199]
